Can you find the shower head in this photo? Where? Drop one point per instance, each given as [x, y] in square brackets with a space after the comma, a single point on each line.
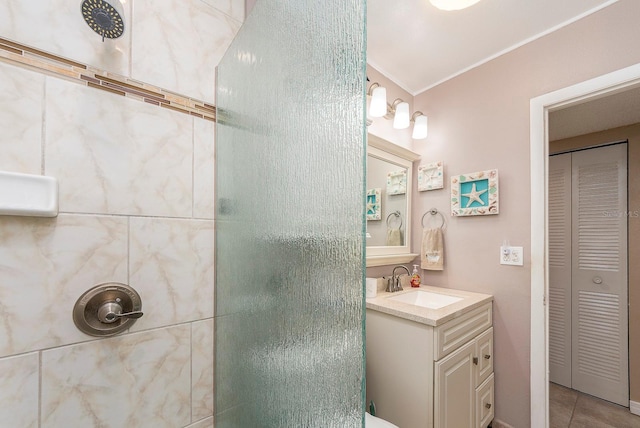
[104, 17]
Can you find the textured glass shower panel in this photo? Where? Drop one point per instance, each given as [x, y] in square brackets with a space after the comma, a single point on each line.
[290, 153]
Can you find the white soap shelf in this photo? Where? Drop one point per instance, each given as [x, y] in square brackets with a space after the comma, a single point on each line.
[28, 195]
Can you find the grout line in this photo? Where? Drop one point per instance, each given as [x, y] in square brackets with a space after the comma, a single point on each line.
[131, 24]
[573, 410]
[43, 130]
[128, 250]
[159, 217]
[191, 372]
[39, 388]
[101, 338]
[193, 168]
[53, 65]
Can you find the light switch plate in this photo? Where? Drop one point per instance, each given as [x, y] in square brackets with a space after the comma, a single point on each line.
[511, 256]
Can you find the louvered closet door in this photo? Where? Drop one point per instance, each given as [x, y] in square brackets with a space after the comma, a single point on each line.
[560, 269]
[599, 273]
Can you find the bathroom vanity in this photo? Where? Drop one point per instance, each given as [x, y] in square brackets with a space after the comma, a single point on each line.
[429, 355]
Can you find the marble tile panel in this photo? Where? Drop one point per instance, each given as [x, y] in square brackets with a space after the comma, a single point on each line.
[178, 43]
[233, 8]
[204, 423]
[21, 101]
[202, 369]
[45, 265]
[114, 155]
[144, 378]
[171, 266]
[203, 168]
[57, 27]
[19, 379]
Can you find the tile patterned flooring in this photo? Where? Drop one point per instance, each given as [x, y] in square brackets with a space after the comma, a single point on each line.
[573, 409]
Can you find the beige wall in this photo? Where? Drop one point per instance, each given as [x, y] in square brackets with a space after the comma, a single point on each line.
[632, 135]
[480, 120]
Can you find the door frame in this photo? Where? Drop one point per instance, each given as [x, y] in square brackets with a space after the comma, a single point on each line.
[540, 107]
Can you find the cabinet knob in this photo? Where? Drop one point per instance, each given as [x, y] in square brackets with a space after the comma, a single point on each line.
[486, 357]
[475, 360]
[488, 405]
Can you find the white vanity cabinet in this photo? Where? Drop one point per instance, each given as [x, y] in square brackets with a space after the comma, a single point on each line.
[438, 376]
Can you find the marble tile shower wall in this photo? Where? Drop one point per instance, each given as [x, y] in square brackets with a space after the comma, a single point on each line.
[136, 206]
[174, 44]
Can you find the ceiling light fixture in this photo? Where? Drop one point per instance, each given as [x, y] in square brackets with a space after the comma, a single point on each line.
[453, 4]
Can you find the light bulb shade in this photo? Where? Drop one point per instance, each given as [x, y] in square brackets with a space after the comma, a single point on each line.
[401, 118]
[378, 106]
[420, 129]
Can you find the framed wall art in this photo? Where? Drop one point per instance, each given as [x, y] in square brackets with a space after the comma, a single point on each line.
[373, 204]
[475, 193]
[430, 176]
[397, 183]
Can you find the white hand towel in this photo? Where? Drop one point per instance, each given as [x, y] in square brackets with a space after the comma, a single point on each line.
[432, 255]
[394, 237]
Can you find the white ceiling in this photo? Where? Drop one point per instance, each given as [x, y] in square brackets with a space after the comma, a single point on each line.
[418, 46]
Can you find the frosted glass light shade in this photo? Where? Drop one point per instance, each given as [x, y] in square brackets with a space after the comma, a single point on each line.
[378, 106]
[420, 129]
[453, 4]
[401, 118]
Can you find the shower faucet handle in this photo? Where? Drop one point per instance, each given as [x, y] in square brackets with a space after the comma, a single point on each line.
[107, 309]
[134, 314]
[109, 312]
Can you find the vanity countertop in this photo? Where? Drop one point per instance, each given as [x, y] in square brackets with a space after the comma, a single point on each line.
[432, 317]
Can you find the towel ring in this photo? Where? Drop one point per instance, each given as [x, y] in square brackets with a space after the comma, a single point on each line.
[433, 211]
[397, 214]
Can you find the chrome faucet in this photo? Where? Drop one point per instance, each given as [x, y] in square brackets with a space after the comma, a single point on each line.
[394, 284]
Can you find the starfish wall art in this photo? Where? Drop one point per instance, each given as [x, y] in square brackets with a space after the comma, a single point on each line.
[475, 193]
[373, 204]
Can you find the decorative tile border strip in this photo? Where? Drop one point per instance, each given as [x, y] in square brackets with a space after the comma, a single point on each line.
[28, 57]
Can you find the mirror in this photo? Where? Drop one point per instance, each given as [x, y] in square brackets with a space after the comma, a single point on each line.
[389, 187]
[386, 207]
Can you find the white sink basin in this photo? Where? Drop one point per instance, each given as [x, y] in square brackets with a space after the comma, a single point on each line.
[426, 299]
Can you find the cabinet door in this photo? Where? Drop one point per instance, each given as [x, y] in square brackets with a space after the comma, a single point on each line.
[455, 389]
[484, 403]
[451, 335]
[484, 355]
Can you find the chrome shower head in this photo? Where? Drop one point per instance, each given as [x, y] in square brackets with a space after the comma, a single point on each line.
[104, 17]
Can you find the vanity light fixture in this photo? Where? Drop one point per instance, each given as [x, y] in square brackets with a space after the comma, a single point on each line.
[401, 117]
[377, 106]
[453, 4]
[420, 129]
